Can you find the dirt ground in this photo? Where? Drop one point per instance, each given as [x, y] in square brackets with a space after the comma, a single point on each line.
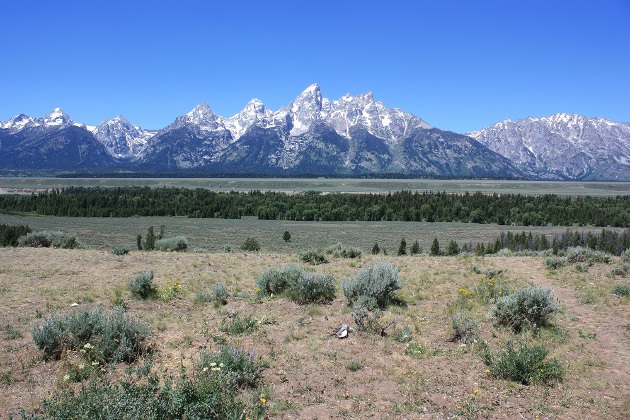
[309, 374]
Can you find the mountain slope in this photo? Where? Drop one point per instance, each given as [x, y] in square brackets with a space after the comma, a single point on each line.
[563, 146]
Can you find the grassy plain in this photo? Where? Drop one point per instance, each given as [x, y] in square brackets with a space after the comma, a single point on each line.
[214, 234]
[310, 374]
[352, 185]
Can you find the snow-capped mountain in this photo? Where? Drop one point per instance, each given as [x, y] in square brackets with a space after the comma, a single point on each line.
[314, 134]
[121, 138]
[350, 135]
[562, 146]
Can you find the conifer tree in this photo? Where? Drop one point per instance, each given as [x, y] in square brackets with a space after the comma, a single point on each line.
[435, 248]
[402, 248]
[375, 249]
[415, 248]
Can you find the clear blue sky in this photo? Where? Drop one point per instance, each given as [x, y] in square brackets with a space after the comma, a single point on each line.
[459, 64]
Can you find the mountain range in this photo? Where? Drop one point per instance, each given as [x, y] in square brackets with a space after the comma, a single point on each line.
[312, 135]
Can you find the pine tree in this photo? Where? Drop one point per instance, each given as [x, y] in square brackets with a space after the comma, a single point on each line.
[435, 248]
[452, 248]
[375, 249]
[286, 236]
[139, 242]
[150, 241]
[402, 248]
[415, 248]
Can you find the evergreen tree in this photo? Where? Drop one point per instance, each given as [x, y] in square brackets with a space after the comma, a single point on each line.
[415, 248]
[149, 244]
[286, 236]
[402, 248]
[452, 248]
[435, 248]
[375, 249]
[139, 242]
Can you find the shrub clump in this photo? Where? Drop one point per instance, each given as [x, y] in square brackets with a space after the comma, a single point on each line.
[532, 306]
[120, 250]
[580, 254]
[377, 282]
[106, 335]
[251, 244]
[340, 250]
[50, 238]
[141, 286]
[206, 394]
[174, 244]
[463, 329]
[235, 325]
[236, 365]
[313, 257]
[625, 255]
[220, 293]
[553, 263]
[525, 365]
[622, 289]
[620, 270]
[275, 281]
[311, 288]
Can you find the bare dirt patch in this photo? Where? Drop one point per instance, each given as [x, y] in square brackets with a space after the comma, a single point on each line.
[308, 372]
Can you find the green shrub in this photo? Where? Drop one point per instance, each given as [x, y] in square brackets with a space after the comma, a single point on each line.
[50, 238]
[340, 250]
[525, 365]
[312, 288]
[622, 289]
[313, 257]
[174, 244]
[532, 306]
[203, 298]
[235, 325]
[553, 263]
[120, 250]
[169, 292]
[620, 270]
[10, 234]
[463, 329]
[141, 286]
[625, 256]
[220, 293]
[205, 395]
[580, 254]
[250, 244]
[275, 281]
[236, 365]
[376, 281]
[104, 335]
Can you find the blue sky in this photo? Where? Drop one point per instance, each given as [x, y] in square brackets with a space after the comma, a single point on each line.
[459, 64]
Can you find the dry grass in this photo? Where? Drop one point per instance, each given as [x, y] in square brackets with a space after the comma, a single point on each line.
[310, 374]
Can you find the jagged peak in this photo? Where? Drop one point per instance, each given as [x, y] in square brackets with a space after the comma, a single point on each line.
[57, 117]
[310, 95]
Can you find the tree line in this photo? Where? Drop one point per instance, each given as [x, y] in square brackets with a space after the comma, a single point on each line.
[502, 209]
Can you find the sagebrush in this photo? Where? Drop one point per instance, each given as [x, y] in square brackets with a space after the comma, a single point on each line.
[532, 306]
[375, 281]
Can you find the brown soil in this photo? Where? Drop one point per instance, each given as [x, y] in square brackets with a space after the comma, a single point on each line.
[310, 374]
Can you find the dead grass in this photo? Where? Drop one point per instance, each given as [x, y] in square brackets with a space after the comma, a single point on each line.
[307, 371]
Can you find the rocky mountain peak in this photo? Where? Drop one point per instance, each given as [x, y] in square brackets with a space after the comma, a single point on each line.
[57, 117]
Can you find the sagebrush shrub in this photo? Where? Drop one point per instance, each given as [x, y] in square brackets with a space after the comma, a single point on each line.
[174, 244]
[344, 251]
[50, 238]
[525, 365]
[235, 325]
[553, 263]
[312, 288]
[275, 281]
[376, 281]
[622, 289]
[120, 250]
[141, 286]
[620, 270]
[532, 306]
[109, 335]
[580, 254]
[313, 257]
[205, 395]
[625, 255]
[220, 293]
[236, 365]
[463, 329]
